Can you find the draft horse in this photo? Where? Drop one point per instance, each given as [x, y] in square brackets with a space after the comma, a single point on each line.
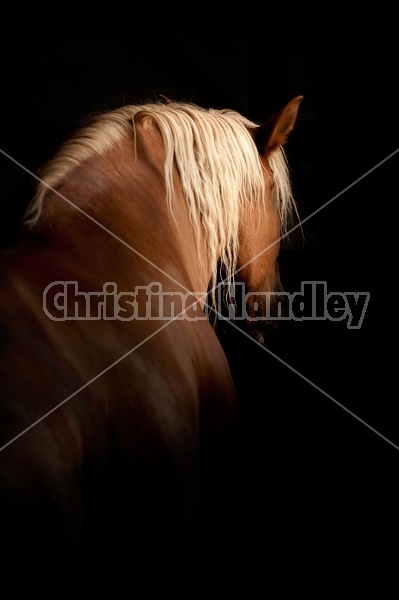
[119, 424]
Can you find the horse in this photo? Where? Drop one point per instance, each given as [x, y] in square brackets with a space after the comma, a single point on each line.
[118, 408]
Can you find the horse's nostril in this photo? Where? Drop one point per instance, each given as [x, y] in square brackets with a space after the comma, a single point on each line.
[113, 309]
[259, 337]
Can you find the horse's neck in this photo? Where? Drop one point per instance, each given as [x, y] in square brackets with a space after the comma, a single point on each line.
[112, 215]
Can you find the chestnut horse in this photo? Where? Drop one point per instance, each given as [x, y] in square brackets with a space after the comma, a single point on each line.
[118, 423]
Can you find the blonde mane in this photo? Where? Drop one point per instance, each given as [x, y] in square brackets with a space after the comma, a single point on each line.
[216, 158]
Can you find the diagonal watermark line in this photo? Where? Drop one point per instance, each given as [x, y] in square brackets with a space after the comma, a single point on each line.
[121, 358]
[299, 224]
[302, 221]
[86, 214]
[319, 389]
[19, 164]
[210, 307]
[84, 386]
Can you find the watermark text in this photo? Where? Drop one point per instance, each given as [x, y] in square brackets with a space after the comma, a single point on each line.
[64, 301]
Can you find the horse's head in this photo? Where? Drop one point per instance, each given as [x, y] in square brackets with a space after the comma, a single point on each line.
[262, 226]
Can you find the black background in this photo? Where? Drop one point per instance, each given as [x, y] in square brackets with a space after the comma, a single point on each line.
[317, 484]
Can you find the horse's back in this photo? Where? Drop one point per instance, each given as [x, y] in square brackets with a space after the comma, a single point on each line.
[110, 429]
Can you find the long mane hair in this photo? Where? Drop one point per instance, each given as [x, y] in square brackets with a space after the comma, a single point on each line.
[216, 158]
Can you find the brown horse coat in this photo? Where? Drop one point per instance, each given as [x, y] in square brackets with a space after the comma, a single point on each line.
[117, 428]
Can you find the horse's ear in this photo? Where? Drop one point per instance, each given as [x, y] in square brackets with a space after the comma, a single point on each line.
[276, 130]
